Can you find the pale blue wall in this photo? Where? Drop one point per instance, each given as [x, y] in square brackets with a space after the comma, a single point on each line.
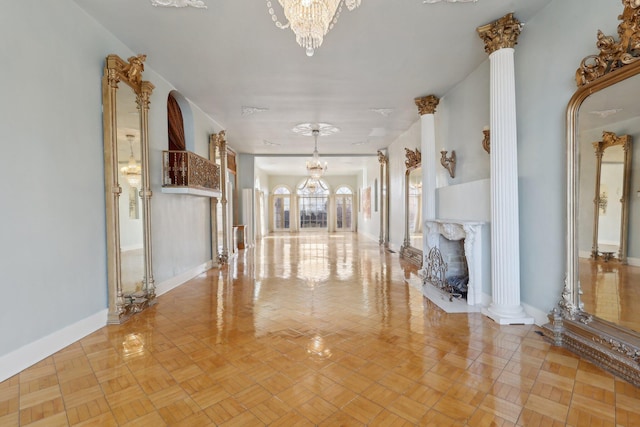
[549, 51]
[52, 216]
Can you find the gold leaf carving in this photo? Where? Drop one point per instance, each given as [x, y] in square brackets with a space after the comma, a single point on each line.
[414, 158]
[500, 34]
[614, 54]
[427, 104]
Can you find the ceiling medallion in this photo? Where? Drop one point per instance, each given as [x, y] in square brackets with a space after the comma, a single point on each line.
[179, 3]
[307, 129]
[310, 20]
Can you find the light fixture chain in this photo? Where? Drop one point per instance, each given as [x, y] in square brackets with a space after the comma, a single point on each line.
[274, 17]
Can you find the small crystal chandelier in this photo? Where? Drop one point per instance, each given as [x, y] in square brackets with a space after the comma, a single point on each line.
[310, 20]
[132, 172]
[315, 167]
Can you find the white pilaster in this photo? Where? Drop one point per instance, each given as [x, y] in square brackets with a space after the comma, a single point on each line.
[505, 241]
[427, 108]
[428, 148]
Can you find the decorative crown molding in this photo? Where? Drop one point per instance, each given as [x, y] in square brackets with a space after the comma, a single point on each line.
[614, 55]
[427, 104]
[414, 158]
[500, 34]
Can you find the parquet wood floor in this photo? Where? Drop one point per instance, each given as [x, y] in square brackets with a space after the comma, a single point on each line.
[313, 330]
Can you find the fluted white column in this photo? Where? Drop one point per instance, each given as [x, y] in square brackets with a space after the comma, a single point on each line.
[505, 308]
[427, 108]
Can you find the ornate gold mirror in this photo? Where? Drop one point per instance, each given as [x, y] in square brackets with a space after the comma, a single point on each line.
[412, 246]
[612, 172]
[125, 102]
[598, 316]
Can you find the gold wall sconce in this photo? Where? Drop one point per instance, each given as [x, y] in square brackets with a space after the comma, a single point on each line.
[486, 142]
[449, 163]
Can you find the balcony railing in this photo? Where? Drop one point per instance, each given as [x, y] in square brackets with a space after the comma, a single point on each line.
[184, 170]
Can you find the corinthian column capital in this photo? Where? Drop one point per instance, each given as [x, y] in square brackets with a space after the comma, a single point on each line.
[500, 34]
[427, 104]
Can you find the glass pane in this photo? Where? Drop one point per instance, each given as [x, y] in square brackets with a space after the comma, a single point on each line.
[313, 212]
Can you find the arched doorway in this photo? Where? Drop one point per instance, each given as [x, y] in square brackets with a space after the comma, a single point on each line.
[344, 209]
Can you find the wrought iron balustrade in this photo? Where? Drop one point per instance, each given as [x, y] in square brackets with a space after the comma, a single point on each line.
[184, 169]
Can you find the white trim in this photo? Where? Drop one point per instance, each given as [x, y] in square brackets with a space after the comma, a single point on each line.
[191, 191]
[32, 353]
[634, 261]
[539, 317]
[174, 282]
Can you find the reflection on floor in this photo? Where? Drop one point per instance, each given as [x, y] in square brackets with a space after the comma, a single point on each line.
[611, 291]
[313, 330]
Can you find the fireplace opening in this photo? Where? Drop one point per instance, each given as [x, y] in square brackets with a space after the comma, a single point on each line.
[447, 268]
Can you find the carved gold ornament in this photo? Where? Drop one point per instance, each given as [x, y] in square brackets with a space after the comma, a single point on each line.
[614, 55]
[427, 104]
[500, 34]
[414, 158]
[382, 158]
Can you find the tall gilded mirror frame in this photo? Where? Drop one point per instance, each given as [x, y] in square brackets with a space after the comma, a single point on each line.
[411, 249]
[609, 345]
[620, 149]
[122, 84]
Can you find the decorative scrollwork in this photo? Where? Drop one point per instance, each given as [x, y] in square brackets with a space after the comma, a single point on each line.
[427, 104]
[414, 158]
[628, 351]
[500, 34]
[614, 55]
[382, 158]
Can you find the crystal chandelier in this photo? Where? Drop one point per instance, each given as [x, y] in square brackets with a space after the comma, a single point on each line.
[132, 172]
[315, 167]
[310, 20]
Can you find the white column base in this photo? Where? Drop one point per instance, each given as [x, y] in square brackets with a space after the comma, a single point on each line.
[505, 315]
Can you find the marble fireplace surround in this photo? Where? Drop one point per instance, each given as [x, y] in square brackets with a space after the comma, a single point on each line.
[472, 233]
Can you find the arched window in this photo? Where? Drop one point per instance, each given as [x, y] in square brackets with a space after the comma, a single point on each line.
[313, 203]
[281, 208]
[344, 208]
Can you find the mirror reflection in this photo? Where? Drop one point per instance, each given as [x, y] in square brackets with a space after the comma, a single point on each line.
[415, 208]
[411, 249]
[129, 165]
[609, 203]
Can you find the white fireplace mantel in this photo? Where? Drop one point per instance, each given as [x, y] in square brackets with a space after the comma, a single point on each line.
[471, 232]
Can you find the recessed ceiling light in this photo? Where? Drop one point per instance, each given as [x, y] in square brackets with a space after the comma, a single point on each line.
[378, 132]
[386, 112]
[179, 3]
[448, 1]
[247, 111]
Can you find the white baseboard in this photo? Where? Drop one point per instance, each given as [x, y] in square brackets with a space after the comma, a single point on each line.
[32, 353]
[174, 282]
[539, 317]
[634, 261]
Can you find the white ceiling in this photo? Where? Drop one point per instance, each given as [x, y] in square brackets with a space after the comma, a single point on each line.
[381, 55]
